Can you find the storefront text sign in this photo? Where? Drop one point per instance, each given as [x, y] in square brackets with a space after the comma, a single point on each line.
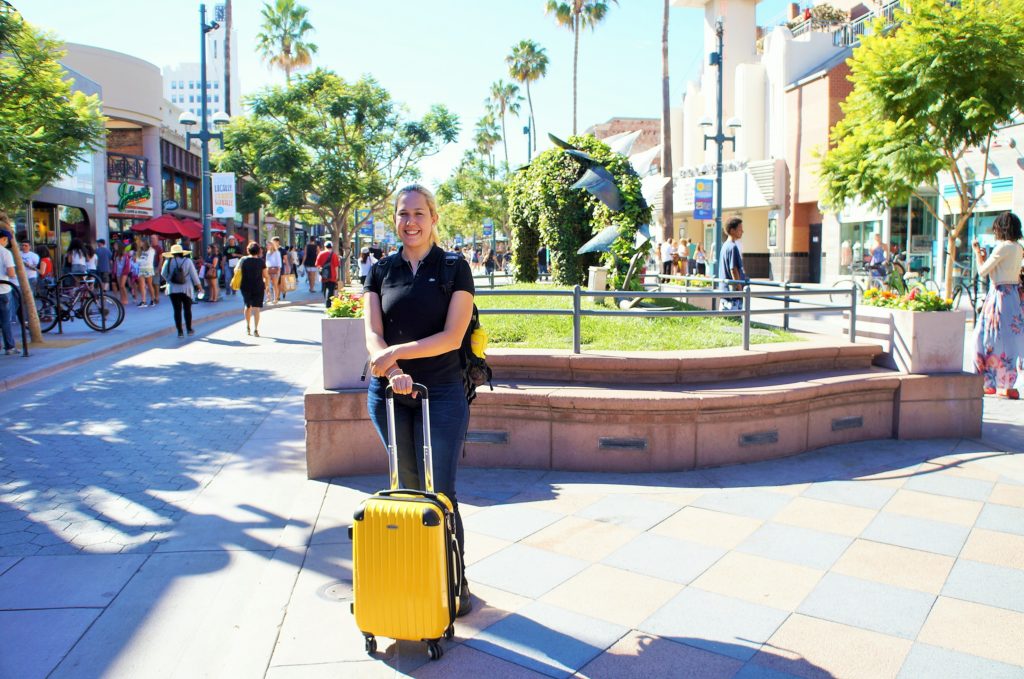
[129, 199]
[223, 194]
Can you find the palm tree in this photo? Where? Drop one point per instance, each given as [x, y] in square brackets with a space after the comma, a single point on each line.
[486, 137]
[667, 208]
[281, 42]
[575, 15]
[528, 63]
[506, 99]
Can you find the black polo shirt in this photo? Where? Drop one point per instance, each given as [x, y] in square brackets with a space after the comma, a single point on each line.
[416, 307]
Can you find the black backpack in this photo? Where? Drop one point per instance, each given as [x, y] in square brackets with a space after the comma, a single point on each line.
[475, 370]
[178, 275]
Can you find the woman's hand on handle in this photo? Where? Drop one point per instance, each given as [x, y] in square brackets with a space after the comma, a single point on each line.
[401, 383]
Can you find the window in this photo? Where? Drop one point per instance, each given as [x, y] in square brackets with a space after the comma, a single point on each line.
[191, 98]
[191, 84]
[216, 84]
[179, 191]
[168, 184]
[214, 49]
[174, 84]
[192, 195]
[181, 84]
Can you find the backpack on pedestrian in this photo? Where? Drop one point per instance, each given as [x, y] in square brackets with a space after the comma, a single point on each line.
[178, 274]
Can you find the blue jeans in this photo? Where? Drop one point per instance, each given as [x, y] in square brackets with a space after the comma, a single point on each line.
[449, 419]
[8, 312]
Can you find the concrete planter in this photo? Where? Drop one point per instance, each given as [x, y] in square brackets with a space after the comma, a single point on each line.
[920, 342]
[344, 353]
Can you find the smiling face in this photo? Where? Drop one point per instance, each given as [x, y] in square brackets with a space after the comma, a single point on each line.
[414, 220]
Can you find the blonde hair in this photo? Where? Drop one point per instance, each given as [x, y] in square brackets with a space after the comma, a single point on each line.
[428, 195]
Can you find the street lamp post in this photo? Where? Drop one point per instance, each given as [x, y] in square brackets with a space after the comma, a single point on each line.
[716, 59]
[204, 135]
[529, 146]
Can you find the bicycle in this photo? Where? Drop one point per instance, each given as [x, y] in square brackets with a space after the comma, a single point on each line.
[862, 278]
[78, 298]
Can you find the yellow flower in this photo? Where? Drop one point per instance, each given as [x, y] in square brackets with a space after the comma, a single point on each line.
[478, 342]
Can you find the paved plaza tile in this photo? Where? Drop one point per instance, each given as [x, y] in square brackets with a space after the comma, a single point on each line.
[73, 581]
[1001, 549]
[613, 594]
[813, 648]
[33, 642]
[975, 629]
[643, 656]
[829, 517]
[465, 661]
[548, 639]
[525, 570]
[509, 522]
[869, 605]
[581, 538]
[934, 507]
[941, 663]
[857, 493]
[984, 583]
[894, 565]
[666, 558]
[1004, 519]
[759, 580]
[707, 527]
[1007, 494]
[629, 511]
[760, 504]
[803, 546]
[906, 531]
[951, 486]
[715, 623]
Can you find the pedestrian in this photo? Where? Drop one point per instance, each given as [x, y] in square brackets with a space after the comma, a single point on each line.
[691, 256]
[366, 262]
[490, 263]
[701, 259]
[253, 287]
[328, 264]
[542, 260]
[413, 333]
[999, 331]
[730, 264]
[31, 262]
[232, 253]
[211, 264]
[122, 267]
[77, 257]
[8, 293]
[145, 258]
[104, 259]
[273, 259]
[309, 259]
[158, 254]
[45, 265]
[182, 279]
[286, 270]
[666, 257]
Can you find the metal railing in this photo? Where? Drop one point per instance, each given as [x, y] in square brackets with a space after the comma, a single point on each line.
[786, 292]
[851, 33]
[123, 166]
[15, 290]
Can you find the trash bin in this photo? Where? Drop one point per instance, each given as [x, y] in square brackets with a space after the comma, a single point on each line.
[598, 280]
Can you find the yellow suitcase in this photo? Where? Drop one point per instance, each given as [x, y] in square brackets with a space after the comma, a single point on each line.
[405, 558]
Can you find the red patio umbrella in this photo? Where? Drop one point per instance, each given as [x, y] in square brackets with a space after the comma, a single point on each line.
[191, 229]
[217, 227]
[164, 225]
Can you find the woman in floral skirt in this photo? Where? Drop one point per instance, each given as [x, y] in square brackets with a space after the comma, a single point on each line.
[999, 333]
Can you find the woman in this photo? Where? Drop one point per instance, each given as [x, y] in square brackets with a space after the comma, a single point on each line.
[144, 258]
[309, 263]
[366, 262]
[177, 268]
[274, 268]
[253, 287]
[45, 266]
[211, 264]
[121, 269]
[77, 258]
[490, 264]
[999, 332]
[701, 258]
[413, 333]
[286, 269]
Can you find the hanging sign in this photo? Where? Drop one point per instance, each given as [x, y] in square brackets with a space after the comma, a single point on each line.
[703, 191]
[223, 194]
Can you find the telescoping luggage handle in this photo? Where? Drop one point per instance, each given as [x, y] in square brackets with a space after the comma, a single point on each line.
[428, 451]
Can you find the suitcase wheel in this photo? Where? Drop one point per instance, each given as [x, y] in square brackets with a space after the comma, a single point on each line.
[434, 650]
[371, 644]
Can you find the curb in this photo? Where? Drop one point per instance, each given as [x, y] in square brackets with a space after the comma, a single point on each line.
[82, 359]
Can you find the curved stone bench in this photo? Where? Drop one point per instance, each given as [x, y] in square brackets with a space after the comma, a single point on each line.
[618, 412]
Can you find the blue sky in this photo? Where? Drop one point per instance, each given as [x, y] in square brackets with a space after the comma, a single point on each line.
[448, 52]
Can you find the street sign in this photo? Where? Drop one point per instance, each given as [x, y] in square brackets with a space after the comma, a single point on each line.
[458, 241]
[367, 227]
[702, 199]
[362, 214]
[222, 193]
[488, 227]
[169, 205]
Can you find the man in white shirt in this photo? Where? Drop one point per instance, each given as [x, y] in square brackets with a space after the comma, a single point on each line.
[31, 261]
[8, 295]
[666, 257]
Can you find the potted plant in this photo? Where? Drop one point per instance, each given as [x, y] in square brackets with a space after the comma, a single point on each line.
[923, 333]
[344, 343]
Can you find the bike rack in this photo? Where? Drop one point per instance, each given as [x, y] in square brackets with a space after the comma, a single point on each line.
[15, 290]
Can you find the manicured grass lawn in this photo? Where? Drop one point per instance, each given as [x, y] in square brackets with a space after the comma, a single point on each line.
[615, 333]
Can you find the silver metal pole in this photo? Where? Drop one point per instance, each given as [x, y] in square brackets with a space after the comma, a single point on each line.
[853, 313]
[576, 320]
[204, 132]
[746, 317]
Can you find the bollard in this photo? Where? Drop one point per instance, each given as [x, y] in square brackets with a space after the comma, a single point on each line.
[746, 317]
[853, 313]
[785, 306]
[576, 320]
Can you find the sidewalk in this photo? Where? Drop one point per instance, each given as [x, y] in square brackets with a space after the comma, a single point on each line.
[79, 345]
[182, 539]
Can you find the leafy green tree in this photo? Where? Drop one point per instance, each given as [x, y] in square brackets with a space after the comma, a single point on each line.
[46, 126]
[323, 146]
[576, 15]
[526, 64]
[542, 208]
[470, 195]
[924, 95]
[505, 98]
[282, 39]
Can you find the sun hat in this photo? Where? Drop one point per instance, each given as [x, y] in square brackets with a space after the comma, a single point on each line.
[329, 244]
[364, 251]
[176, 249]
